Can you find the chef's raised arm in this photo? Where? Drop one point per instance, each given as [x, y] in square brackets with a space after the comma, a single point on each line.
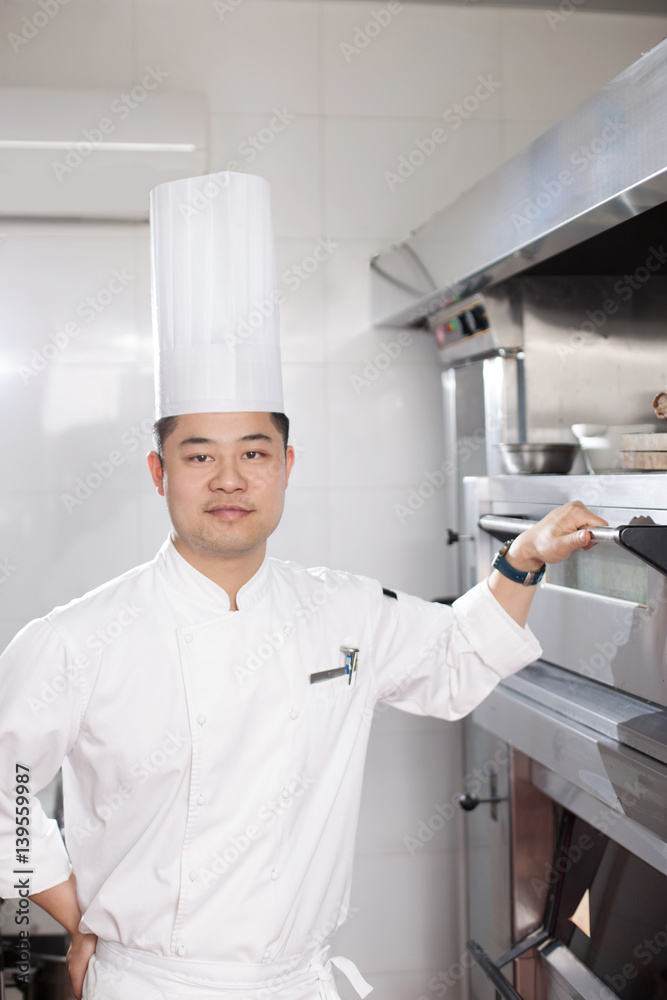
[42, 690]
[430, 659]
[433, 660]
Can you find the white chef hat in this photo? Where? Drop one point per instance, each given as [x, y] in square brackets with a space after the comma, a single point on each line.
[215, 296]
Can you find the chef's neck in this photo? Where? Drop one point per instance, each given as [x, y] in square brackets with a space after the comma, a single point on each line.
[229, 573]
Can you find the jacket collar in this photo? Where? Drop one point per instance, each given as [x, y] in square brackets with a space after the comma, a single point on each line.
[204, 591]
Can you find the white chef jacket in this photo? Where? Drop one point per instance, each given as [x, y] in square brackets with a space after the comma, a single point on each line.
[211, 791]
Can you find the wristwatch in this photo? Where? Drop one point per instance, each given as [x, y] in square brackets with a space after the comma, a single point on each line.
[516, 575]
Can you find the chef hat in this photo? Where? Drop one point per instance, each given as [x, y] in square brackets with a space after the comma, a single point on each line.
[215, 296]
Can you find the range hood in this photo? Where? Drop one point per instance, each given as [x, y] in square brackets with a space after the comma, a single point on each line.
[603, 164]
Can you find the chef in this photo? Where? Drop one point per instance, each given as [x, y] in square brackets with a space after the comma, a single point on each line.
[211, 708]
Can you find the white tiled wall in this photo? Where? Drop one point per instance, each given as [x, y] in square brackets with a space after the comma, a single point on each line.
[364, 436]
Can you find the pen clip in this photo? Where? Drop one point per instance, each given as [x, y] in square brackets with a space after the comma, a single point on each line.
[351, 660]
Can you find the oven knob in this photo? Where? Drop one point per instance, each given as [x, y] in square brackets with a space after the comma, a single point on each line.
[470, 802]
[453, 536]
[481, 319]
[467, 321]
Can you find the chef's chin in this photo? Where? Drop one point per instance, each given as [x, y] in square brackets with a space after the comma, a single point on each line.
[226, 539]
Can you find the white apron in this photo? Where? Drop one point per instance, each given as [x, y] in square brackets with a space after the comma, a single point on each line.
[117, 973]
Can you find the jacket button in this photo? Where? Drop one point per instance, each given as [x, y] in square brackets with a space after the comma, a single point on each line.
[285, 792]
[274, 874]
[201, 799]
[188, 637]
[181, 951]
[201, 719]
[293, 714]
[267, 954]
[193, 875]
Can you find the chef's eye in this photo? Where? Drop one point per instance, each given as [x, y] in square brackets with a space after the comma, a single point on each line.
[198, 459]
[253, 454]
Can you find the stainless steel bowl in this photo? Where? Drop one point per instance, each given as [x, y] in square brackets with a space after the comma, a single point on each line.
[537, 459]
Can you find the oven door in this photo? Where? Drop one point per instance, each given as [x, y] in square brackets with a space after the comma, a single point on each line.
[587, 904]
[602, 931]
[601, 613]
[587, 731]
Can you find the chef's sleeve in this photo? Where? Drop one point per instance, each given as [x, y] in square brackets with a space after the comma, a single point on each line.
[430, 659]
[42, 684]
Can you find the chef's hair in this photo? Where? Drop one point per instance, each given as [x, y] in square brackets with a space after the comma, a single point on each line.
[167, 425]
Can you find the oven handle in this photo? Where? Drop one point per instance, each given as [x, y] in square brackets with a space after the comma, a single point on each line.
[646, 541]
[515, 525]
[492, 972]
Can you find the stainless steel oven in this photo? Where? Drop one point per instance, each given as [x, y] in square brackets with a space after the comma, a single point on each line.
[570, 755]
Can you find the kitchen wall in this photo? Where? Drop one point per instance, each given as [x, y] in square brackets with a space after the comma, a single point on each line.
[327, 99]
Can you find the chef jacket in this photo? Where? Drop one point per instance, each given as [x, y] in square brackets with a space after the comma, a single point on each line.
[211, 790]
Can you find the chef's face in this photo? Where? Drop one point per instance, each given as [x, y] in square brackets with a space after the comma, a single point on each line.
[224, 477]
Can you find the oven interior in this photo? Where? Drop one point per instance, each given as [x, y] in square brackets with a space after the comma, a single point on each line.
[558, 908]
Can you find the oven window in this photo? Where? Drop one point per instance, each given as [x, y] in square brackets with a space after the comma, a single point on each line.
[607, 570]
[612, 914]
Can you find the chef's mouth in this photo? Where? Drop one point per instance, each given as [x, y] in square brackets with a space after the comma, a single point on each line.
[229, 513]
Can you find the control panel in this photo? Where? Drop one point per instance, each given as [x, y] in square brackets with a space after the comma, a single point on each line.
[467, 323]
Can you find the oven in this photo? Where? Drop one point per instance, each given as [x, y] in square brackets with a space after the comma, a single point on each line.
[566, 761]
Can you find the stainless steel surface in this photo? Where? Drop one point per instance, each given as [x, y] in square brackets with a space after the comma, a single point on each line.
[629, 835]
[587, 723]
[501, 984]
[594, 346]
[622, 717]
[516, 525]
[628, 790]
[601, 534]
[614, 149]
[568, 978]
[487, 852]
[504, 335]
[537, 459]
[621, 642]
[533, 843]
[475, 348]
[504, 523]
[483, 402]
[480, 400]
[545, 365]
[635, 492]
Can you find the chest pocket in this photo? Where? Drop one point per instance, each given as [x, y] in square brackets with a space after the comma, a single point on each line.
[333, 681]
[328, 691]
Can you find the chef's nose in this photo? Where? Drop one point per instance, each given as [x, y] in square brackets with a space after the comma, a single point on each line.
[227, 476]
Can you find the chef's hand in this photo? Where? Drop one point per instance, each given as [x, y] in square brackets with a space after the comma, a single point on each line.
[80, 951]
[550, 541]
[553, 538]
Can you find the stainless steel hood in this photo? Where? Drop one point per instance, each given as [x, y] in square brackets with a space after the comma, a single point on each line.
[603, 164]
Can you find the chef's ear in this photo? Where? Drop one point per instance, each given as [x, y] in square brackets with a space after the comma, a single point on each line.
[156, 471]
[289, 462]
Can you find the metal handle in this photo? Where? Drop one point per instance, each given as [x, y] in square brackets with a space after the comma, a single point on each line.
[468, 801]
[642, 537]
[492, 972]
[515, 525]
